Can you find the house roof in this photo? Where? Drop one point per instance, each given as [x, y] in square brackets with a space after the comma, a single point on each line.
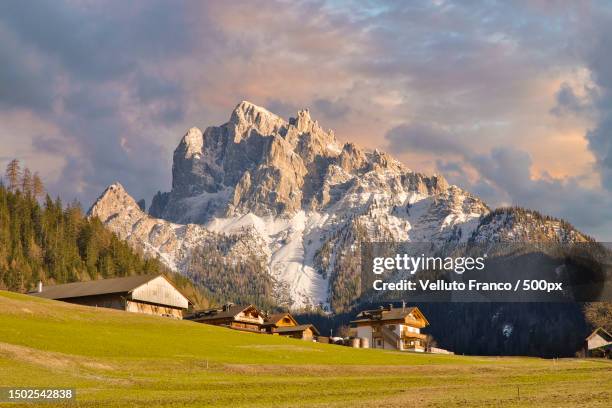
[97, 287]
[602, 333]
[218, 313]
[298, 328]
[276, 317]
[388, 313]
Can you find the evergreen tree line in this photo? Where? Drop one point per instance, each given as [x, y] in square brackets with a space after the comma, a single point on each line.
[54, 243]
[520, 214]
[225, 278]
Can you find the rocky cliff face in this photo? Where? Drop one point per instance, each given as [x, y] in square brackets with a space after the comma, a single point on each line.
[256, 162]
[305, 201]
[172, 243]
[259, 163]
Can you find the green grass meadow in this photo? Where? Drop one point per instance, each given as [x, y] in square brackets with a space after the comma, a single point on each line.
[119, 359]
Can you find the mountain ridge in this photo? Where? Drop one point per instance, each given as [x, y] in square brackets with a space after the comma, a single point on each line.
[305, 202]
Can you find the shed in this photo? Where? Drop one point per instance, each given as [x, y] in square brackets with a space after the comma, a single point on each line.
[599, 343]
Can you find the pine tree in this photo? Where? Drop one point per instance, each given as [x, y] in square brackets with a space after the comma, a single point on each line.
[13, 174]
[599, 314]
[38, 188]
[26, 182]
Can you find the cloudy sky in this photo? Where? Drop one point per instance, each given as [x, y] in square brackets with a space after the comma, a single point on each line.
[510, 101]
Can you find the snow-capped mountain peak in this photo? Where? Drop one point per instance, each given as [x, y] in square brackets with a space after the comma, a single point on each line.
[305, 201]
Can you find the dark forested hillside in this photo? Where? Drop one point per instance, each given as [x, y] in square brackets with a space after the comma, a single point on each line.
[53, 243]
[42, 239]
[242, 281]
[533, 329]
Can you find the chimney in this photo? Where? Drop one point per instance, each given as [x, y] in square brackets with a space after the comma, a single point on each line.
[40, 287]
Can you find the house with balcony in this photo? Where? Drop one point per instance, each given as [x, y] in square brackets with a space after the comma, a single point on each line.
[392, 328]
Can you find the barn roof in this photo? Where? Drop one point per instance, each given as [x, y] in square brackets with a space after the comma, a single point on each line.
[92, 288]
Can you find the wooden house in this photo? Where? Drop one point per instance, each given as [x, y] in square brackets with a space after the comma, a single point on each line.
[392, 328]
[239, 317]
[275, 320]
[599, 343]
[301, 331]
[249, 318]
[284, 324]
[148, 294]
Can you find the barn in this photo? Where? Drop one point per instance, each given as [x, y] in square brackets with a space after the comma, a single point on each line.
[147, 294]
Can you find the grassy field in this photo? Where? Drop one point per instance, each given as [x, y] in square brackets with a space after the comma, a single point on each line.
[119, 359]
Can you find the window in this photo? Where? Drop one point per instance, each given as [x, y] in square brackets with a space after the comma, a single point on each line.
[391, 327]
